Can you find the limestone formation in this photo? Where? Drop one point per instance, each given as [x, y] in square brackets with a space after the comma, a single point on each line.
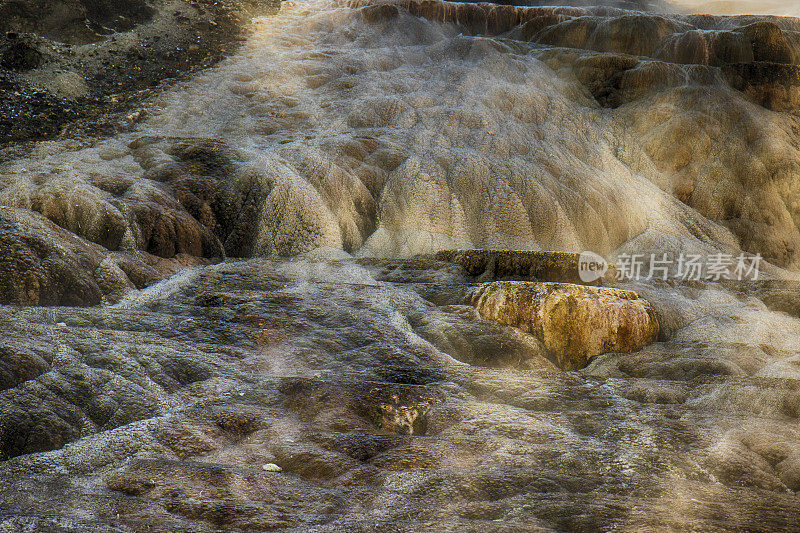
[574, 323]
[165, 408]
[43, 264]
[523, 159]
[508, 264]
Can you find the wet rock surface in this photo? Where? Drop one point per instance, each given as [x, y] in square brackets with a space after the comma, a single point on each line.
[149, 381]
[161, 412]
[509, 264]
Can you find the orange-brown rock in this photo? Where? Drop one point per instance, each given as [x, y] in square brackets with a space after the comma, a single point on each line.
[575, 323]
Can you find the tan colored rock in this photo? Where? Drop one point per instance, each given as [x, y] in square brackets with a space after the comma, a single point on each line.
[574, 322]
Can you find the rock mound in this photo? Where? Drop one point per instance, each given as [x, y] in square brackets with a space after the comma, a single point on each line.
[42, 264]
[575, 323]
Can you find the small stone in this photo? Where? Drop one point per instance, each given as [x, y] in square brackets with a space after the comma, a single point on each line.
[272, 467]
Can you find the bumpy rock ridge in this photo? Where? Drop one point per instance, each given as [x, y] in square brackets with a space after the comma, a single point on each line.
[514, 163]
[574, 323]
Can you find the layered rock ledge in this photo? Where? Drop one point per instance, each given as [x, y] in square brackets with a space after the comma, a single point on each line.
[574, 323]
[43, 264]
[534, 266]
[758, 55]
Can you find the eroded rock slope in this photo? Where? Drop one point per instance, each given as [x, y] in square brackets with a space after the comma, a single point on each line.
[527, 134]
[161, 411]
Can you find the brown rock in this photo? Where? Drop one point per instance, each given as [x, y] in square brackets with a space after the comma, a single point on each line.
[687, 48]
[42, 264]
[475, 17]
[379, 13]
[771, 85]
[631, 34]
[575, 323]
[727, 47]
[112, 280]
[499, 264]
[769, 42]
[573, 33]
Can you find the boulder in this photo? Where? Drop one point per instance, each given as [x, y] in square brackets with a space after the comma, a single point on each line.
[575, 323]
[769, 42]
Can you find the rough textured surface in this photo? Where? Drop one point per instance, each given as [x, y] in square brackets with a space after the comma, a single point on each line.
[387, 402]
[510, 143]
[502, 264]
[43, 264]
[574, 323]
[81, 66]
[161, 412]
